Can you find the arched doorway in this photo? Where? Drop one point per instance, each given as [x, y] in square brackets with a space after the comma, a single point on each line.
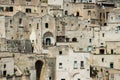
[47, 38]
[74, 39]
[48, 41]
[38, 67]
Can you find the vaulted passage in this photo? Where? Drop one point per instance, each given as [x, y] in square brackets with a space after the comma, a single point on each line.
[38, 67]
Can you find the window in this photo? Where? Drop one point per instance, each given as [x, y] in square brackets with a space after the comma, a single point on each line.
[89, 13]
[46, 25]
[90, 0]
[82, 64]
[118, 27]
[37, 25]
[28, 0]
[66, 12]
[112, 51]
[4, 65]
[71, 24]
[105, 24]
[107, 15]
[111, 65]
[101, 43]
[100, 15]
[60, 65]
[11, 26]
[20, 21]
[111, 18]
[28, 10]
[12, 1]
[29, 25]
[103, 15]
[78, 79]
[90, 40]
[67, 4]
[119, 17]
[75, 64]
[1, 9]
[11, 9]
[74, 1]
[102, 59]
[102, 34]
[50, 78]
[81, 0]
[60, 52]
[10, 21]
[77, 14]
[42, 11]
[102, 51]
[74, 39]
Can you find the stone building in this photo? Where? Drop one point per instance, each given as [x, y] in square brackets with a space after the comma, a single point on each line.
[47, 40]
[73, 66]
[6, 66]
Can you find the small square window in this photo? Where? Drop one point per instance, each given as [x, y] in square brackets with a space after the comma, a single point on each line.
[28, 10]
[60, 52]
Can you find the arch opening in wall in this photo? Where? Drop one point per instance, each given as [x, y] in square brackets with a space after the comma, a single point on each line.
[48, 41]
[38, 67]
[74, 39]
[47, 38]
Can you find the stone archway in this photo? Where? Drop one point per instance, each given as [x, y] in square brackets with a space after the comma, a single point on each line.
[48, 41]
[38, 67]
[47, 38]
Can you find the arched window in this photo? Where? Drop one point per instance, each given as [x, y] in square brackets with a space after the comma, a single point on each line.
[48, 41]
[74, 39]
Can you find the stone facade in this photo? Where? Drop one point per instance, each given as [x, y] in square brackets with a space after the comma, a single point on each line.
[42, 40]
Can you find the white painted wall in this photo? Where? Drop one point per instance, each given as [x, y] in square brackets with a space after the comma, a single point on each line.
[56, 2]
[67, 71]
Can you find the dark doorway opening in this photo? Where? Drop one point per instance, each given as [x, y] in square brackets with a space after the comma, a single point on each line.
[111, 51]
[38, 67]
[102, 51]
[4, 73]
[48, 41]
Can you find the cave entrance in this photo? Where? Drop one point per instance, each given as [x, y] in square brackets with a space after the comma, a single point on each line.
[38, 67]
